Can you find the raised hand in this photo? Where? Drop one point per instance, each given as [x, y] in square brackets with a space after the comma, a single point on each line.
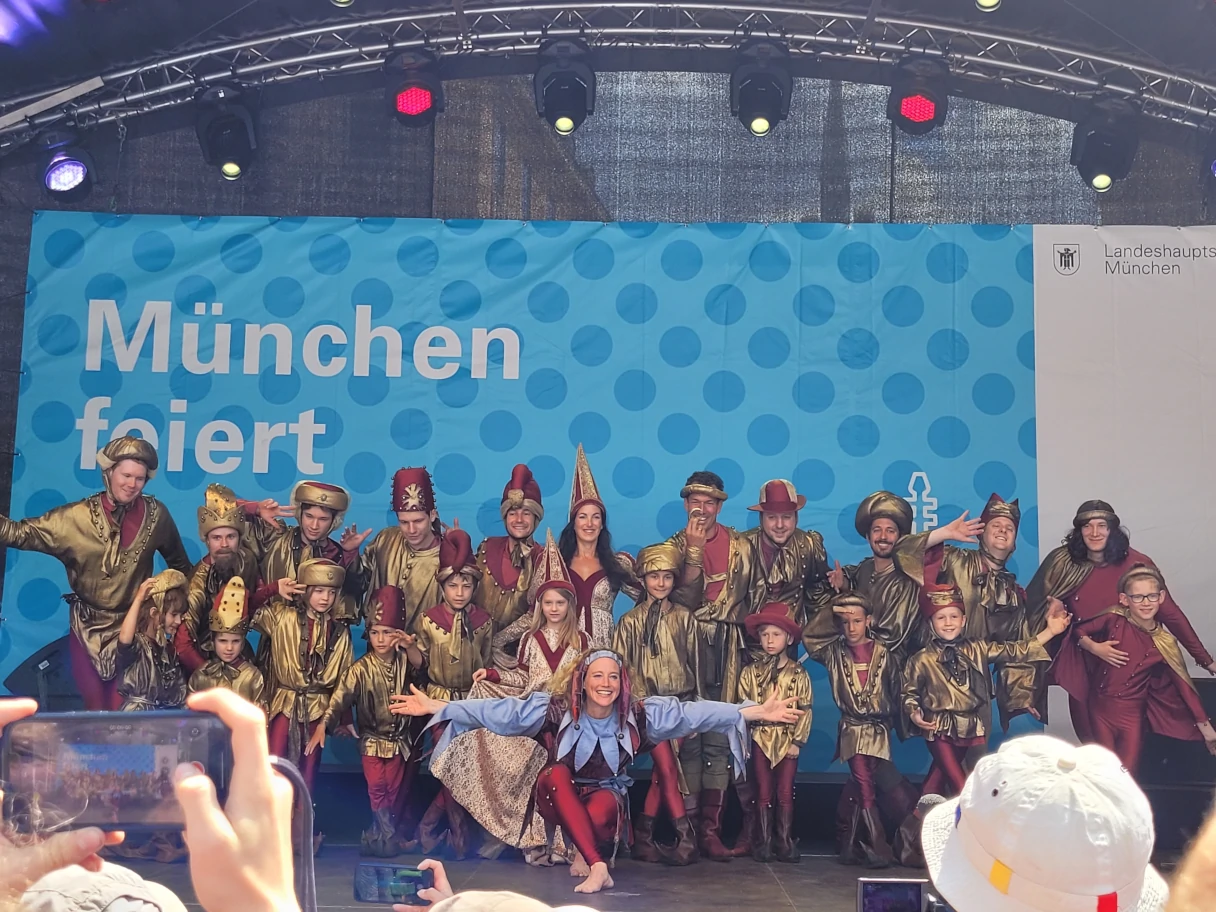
[441, 890]
[270, 510]
[694, 532]
[964, 529]
[415, 703]
[352, 539]
[1058, 623]
[289, 588]
[837, 579]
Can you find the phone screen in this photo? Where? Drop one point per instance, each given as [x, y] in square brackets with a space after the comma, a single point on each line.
[889, 896]
[110, 770]
[386, 884]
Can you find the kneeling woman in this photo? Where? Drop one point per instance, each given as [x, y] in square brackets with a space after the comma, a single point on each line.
[592, 729]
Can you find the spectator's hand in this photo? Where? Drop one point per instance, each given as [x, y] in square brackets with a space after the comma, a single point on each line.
[240, 856]
[25, 865]
[441, 890]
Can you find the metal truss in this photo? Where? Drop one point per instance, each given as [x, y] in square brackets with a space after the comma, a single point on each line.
[462, 33]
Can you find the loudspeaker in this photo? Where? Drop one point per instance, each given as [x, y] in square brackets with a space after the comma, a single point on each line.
[47, 677]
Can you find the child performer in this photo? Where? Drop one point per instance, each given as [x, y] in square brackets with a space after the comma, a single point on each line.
[658, 641]
[592, 729]
[1152, 688]
[383, 738]
[149, 675]
[229, 622]
[455, 640]
[776, 762]
[498, 798]
[310, 650]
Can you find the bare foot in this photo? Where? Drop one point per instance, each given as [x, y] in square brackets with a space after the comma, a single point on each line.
[578, 867]
[598, 880]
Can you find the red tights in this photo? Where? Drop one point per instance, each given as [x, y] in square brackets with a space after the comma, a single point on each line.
[1080, 714]
[862, 769]
[279, 736]
[945, 776]
[97, 694]
[1118, 725]
[773, 782]
[664, 791]
[384, 781]
[589, 816]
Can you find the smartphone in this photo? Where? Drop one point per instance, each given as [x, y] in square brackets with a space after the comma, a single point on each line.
[892, 895]
[386, 884]
[107, 769]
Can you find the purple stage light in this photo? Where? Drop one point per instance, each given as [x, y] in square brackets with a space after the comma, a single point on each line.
[20, 18]
[65, 174]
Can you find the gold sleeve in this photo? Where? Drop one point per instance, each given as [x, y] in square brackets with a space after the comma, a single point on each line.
[909, 556]
[749, 685]
[342, 698]
[910, 696]
[41, 533]
[197, 608]
[171, 548]
[1015, 653]
[802, 688]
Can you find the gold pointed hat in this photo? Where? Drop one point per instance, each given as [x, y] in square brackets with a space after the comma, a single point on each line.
[551, 571]
[584, 491]
[229, 613]
[220, 510]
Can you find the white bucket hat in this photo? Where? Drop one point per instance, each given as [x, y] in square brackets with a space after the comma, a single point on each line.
[1045, 826]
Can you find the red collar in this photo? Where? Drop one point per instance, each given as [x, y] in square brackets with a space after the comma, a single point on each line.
[442, 616]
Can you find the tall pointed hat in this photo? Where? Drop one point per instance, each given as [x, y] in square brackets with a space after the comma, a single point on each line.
[584, 491]
[551, 571]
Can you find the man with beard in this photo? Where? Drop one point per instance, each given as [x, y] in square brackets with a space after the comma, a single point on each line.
[106, 544]
[407, 555]
[995, 603]
[223, 529]
[1083, 574]
[794, 562]
[734, 587]
[505, 561]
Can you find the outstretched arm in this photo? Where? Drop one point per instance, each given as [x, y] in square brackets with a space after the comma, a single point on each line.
[507, 716]
[961, 530]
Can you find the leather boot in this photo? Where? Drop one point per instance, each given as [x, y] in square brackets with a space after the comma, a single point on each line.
[431, 833]
[710, 834]
[785, 846]
[644, 848]
[874, 843]
[460, 829]
[746, 791]
[378, 840]
[898, 800]
[684, 852]
[762, 839]
[846, 839]
[907, 848]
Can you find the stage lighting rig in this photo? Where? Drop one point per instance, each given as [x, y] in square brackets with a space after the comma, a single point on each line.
[414, 89]
[224, 124]
[1104, 144]
[68, 170]
[564, 84]
[987, 6]
[919, 99]
[761, 86]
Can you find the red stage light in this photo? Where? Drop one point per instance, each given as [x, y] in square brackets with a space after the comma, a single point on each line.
[918, 108]
[414, 100]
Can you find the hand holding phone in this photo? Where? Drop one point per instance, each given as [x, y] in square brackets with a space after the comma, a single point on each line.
[405, 885]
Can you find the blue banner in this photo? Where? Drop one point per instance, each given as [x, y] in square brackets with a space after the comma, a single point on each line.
[257, 351]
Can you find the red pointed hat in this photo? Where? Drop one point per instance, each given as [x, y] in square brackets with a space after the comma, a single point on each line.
[522, 491]
[412, 490]
[456, 554]
[584, 491]
[551, 571]
[386, 608]
[778, 614]
[997, 506]
[779, 496]
[936, 596]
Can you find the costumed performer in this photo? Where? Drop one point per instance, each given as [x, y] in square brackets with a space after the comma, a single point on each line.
[775, 763]
[597, 572]
[592, 729]
[106, 543]
[1152, 689]
[658, 641]
[149, 674]
[794, 561]
[865, 681]
[384, 743]
[505, 562]
[407, 555]
[1084, 574]
[507, 768]
[230, 668]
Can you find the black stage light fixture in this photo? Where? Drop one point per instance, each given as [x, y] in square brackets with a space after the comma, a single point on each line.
[919, 100]
[414, 88]
[224, 124]
[68, 170]
[1104, 144]
[564, 84]
[761, 86]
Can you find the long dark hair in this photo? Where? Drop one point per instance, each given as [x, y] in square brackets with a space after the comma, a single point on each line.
[567, 544]
[1117, 545]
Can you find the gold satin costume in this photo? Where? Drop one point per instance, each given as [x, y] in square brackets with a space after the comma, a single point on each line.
[81, 537]
[660, 650]
[866, 712]
[203, 587]
[451, 655]
[503, 605]
[757, 683]
[242, 677]
[284, 549]
[950, 682]
[389, 561]
[367, 686]
[798, 574]
[149, 675]
[305, 672]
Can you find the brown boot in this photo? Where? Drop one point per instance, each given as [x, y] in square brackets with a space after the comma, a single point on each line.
[431, 833]
[460, 829]
[762, 840]
[846, 848]
[710, 842]
[684, 852]
[785, 846]
[874, 843]
[644, 848]
[907, 848]
[746, 791]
